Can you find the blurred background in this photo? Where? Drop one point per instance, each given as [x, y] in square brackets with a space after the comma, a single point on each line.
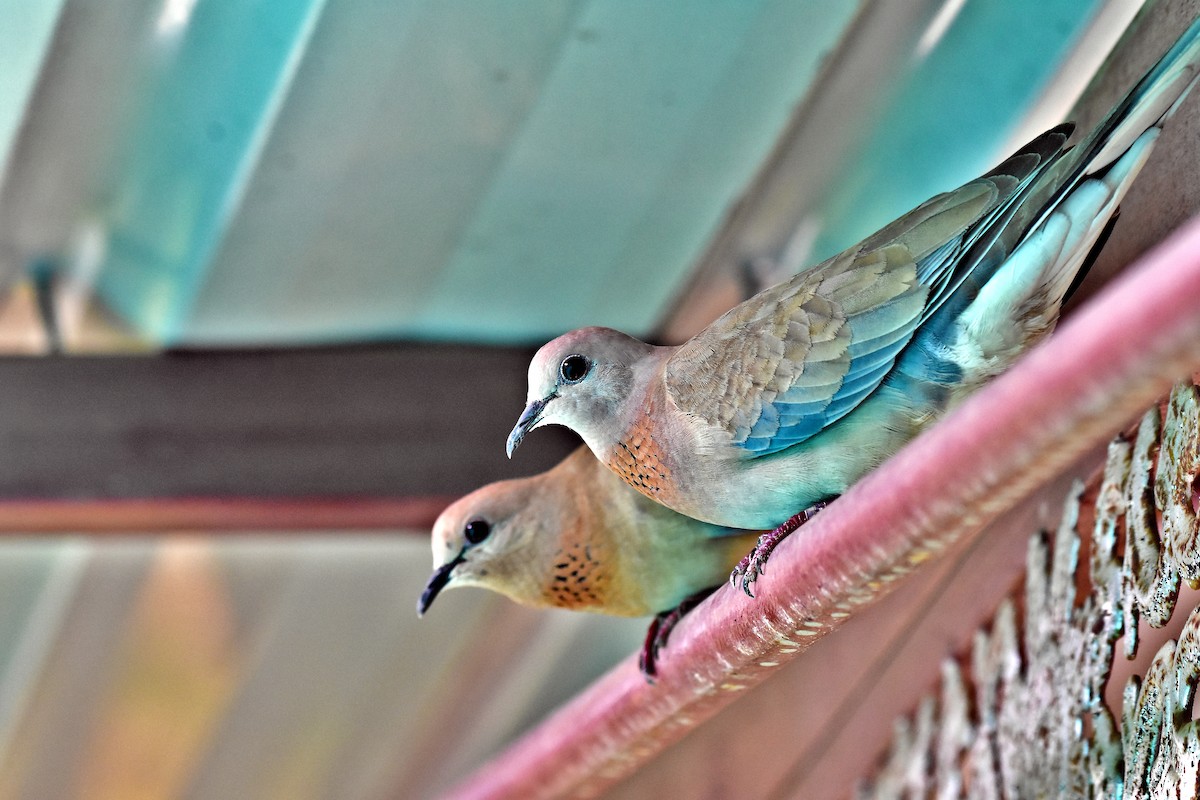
[271, 273]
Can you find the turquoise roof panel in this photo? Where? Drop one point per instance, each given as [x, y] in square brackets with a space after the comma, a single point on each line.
[498, 172]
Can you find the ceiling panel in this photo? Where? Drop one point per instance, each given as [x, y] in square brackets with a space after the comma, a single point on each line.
[24, 41]
[259, 668]
[500, 172]
[310, 171]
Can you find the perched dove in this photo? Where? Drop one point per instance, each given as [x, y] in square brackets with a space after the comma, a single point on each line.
[793, 395]
[577, 537]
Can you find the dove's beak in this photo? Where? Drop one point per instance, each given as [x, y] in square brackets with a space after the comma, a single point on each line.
[437, 582]
[530, 417]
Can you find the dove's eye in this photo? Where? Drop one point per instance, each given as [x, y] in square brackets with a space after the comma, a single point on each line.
[573, 368]
[476, 531]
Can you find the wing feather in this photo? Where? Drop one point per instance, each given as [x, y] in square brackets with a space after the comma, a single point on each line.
[792, 360]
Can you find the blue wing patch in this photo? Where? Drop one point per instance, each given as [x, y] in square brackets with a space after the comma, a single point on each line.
[803, 411]
[880, 335]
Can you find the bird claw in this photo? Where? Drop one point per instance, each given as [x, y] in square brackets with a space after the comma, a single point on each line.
[660, 630]
[745, 573]
[751, 566]
[754, 563]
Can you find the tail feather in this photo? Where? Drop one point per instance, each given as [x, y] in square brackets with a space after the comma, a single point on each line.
[1122, 131]
[984, 249]
[1033, 250]
[1021, 302]
[1150, 103]
[1092, 255]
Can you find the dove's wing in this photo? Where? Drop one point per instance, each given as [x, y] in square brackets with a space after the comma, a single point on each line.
[796, 358]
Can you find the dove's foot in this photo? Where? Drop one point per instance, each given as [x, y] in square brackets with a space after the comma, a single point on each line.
[660, 630]
[754, 564]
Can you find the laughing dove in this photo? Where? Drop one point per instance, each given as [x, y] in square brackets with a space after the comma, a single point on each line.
[577, 537]
[794, 394]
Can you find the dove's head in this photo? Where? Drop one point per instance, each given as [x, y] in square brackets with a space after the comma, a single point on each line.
[581, 380]
[493, 538]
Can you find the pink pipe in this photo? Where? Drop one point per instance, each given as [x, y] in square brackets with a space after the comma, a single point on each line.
[1106, 364]
[214, 515]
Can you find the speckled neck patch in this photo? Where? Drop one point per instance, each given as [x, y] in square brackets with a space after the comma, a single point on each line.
[578, 578]
[638, 459]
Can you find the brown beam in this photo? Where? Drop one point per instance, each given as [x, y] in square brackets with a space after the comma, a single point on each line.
[414, 422]
[220, 515]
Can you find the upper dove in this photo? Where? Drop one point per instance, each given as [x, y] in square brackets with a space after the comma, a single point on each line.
[791, 396]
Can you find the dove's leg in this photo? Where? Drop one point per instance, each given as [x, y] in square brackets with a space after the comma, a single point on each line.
[754, 564]
[660, 630]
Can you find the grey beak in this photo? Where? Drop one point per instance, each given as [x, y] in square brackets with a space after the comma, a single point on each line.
[529, 417]
[437, 582]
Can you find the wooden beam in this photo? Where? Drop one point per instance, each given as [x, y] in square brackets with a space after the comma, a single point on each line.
[323, 426]
[137, 517]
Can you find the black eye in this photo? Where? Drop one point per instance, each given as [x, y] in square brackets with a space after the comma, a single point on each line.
[476, 531]
[573, 368]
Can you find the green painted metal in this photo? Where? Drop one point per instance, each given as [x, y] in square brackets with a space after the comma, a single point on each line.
[646, 133]
[37, 583]
[501, 171]
[305, 172]
[26, 28]
[214, 75]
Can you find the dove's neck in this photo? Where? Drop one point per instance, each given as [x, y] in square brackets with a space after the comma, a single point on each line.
[636, 449]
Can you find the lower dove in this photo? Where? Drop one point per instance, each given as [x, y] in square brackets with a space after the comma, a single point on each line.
[577, 537]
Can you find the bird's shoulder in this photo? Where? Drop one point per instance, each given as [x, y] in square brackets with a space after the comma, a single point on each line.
[791, 339]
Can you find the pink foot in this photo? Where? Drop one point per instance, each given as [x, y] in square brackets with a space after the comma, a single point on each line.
[660, 630]
[754, 564]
